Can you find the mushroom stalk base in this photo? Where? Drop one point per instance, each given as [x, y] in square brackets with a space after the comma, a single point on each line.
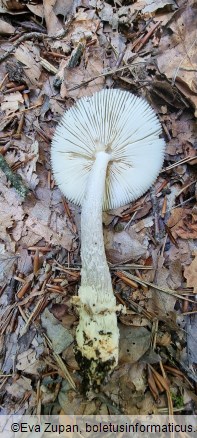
[97, 334]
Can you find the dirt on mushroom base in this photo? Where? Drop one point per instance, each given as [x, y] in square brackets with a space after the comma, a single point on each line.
[94, 372]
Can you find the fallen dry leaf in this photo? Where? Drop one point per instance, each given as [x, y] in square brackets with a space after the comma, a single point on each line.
[190, 273]
[19, 388]
[52, 22]
[177, 57]
[63, 238]
[183, 223]
[6, 28]
[60, 337]
[12, 102]
[28, 172]
[12, 5]
[37, 9]
[28, 54]
[7, 262]
[124, 246]
[75, 77]
[134, 342]
[177, 214]
[132, 319]
[28, 362]
[10, 215]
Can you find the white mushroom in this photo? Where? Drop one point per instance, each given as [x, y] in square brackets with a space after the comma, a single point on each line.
[106, 152]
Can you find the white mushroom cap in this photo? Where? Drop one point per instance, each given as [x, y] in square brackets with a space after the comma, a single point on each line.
[116, 122]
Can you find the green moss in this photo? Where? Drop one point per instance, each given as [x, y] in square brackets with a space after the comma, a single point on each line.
[177, 400]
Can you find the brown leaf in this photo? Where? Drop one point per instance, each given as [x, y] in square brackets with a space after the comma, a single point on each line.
[18, 389]
[190, 273]
[132, 319]
[183, 223]
[13, 5]
[134, 342]
[177, 214]
[178, 55]
[6, 28]
[7, 261]
[75, 77]
[123, 246]
[36, 9]
[28, 54]
[52, 22]
[12, 102]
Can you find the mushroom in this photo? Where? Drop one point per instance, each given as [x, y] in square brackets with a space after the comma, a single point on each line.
[106, 152]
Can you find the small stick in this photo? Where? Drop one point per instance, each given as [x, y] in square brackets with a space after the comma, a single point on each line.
[166, 131]
[43, 134]
[152, 385]
[183, 161]
[127, 280]
[36, 261]
[11, 85]
[14, 89]
[23, 290]
[107, 73]
[48, 66]
[3, 81]
[147, 36]
[161, 187]
[164, 207]
[144, 287]
[40, 248]
[20, 125]
[76, 55]
[55, 55]
[26, 98]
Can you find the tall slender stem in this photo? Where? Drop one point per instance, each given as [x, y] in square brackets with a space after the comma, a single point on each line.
[97, 334]
[95, 271]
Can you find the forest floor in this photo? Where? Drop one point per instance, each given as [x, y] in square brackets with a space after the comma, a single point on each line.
[52, 53]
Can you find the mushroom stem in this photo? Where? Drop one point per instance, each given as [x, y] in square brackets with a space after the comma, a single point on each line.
[97, 333]
[95, 271]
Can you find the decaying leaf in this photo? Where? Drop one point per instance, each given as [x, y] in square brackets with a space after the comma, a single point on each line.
[177, 58]
[134, 342]
[12, 102]
[190, 273]
[12, 5]
[9, 216]
[75, 77]
[59, 335]
[18, 389]
[132, 319]
[53, 24]
[28, 54]
[7, 261]
[28, 362]
[6, 28]
[124, 246]
[183, 223]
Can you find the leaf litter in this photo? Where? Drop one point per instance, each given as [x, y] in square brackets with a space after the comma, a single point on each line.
[51, 54]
